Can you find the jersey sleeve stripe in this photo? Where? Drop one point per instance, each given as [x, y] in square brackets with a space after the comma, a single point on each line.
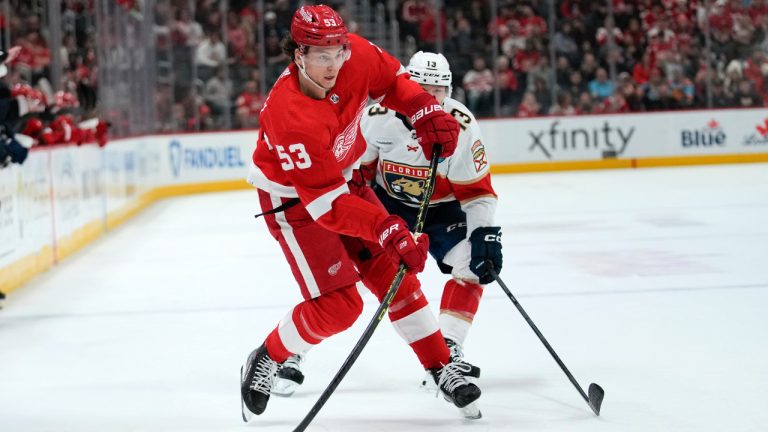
[322, 204]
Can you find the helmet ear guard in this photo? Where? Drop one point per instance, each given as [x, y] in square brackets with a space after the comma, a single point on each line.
[430, 68]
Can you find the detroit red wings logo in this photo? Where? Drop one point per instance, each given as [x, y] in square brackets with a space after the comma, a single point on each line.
[346, 139]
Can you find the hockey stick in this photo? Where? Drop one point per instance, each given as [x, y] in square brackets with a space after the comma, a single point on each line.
[596, 393]
[363, 341]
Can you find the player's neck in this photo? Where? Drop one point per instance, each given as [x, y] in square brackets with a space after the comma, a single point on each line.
[311, 89]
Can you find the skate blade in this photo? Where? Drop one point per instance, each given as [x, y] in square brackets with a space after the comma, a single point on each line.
[245, 412]
[428, 384]
[471, 411]
[284, 387]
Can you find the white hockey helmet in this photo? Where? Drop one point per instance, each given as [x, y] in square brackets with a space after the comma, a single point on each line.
[430, 68]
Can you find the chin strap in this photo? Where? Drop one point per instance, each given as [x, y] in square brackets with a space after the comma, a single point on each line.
[304, 72]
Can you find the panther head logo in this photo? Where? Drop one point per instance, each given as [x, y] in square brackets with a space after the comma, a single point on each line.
[408, 186]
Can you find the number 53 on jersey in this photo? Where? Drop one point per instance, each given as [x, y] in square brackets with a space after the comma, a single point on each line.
[296, 157]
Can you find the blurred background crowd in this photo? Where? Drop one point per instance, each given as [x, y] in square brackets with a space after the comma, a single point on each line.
[148, 66]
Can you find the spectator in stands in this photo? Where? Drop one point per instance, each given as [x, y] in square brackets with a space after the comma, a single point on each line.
[184, 30]
[642, 70]
[585, 105]
[478, 85]
[433, 27]
[412, 14]
[543, 93]
[589, 67]
[746, 96]
[613, 104]
[506, 80]
[248, 105]
[756, 69]
[564, 105]
[682, 89]
[576, 85]
[205, 121]
[565, 44]
[532, 25]
[218, 96]
[529, 107]
[563, 71]
[632, 94]
[210, 54]
[601, 87]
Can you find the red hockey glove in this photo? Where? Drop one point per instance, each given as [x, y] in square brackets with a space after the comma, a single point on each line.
[400, 245]
[433, 125]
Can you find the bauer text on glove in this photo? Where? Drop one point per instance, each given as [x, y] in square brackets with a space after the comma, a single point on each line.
[433, 125]
[400, 244]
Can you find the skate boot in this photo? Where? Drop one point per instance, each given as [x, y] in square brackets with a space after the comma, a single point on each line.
[289, 377]
[256, 378]
[452, 381]
[457, 356]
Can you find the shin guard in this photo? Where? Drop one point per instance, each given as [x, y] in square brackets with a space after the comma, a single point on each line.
[409, 312]
[312, 321]
[458, 307]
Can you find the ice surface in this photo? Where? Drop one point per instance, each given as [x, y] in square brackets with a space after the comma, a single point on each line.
[652, 283]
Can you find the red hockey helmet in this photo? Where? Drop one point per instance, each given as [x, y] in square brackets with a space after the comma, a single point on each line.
[318, 26]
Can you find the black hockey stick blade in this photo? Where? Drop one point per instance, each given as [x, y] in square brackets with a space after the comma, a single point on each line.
[594, 397]
[596, 394]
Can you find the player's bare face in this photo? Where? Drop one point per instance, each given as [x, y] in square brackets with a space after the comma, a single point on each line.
[322, 64]
[439, 92]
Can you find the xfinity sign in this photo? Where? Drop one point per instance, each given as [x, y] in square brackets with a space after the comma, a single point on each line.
[612, 140]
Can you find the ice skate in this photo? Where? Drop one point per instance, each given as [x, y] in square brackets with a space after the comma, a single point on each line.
[289, 377]
[457, 356]
[456, 388]
[256, 379]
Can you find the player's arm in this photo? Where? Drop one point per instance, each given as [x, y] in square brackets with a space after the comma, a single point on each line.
[389, 82]
[470, 180]
[311, 167]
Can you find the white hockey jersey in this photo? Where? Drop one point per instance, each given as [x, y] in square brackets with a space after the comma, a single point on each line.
[402, 167]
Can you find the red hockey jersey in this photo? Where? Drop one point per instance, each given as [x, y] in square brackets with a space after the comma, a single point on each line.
[308, 148]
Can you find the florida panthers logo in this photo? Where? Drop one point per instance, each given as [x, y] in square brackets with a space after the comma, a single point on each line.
[405, 182]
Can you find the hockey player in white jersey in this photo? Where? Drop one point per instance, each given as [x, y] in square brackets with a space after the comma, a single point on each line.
[460, 222]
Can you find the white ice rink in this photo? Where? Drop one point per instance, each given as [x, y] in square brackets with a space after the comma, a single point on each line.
[652, 283]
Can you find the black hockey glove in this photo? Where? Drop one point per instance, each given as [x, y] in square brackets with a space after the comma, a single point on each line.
[486, 246]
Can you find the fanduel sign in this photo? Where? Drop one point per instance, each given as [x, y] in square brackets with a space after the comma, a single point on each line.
[202, 158]
[612, 140]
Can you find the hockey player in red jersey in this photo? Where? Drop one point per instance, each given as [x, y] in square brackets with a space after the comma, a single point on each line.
[460, 223]
[330, 226]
